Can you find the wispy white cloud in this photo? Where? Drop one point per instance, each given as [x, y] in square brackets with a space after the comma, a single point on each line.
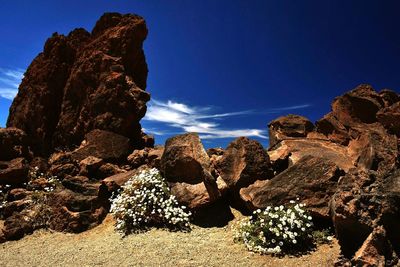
[275, 110]
[197, 119]
[9, 82]
[200, 119]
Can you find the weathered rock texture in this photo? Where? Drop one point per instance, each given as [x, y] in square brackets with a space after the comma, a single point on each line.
[345, 169]
[289, 126]
[313, 180]
[186, 166]
[85, 81]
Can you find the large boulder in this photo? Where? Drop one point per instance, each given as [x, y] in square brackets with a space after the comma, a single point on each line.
[147, 156]
[13, 144]
[295, 149]
[85, 81]
[186, 166]
[288, 126]
[312, 180]
[14, 172]
[104, 145]
[359, 105]
[243, 162]
[364, 202]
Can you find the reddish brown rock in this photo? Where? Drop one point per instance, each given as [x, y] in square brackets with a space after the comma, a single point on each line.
[85, 81]
[389, 97]
[90, 166]
[113, 183]
[313, 180]
[147, 156]
[218, 151]
[333, 129]
[107, 170]
[374, 149]
[389, 117]
[295, 149]
[243, 162]
[14, 172]
[359, 105]
[186, 166]
[39, 164]
[104, 145]
[365, 201]
[73, 212]
[376, 251]
[18, 194]
[13, 144]
[288, 126]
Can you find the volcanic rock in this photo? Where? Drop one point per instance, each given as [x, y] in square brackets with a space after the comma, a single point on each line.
[85, 81]
[295, 149]
[375, 251]
[104, 145]
[186, 166]
[288, 126]
[243, 162]
[14, 172]
[13, 144]
[90, 166]
[312, 180]
[73, 212]
[389, 117]
[147, 156]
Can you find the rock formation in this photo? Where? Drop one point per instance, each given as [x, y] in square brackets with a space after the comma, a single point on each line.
[74, 138]
[345, 169]
[85, 81]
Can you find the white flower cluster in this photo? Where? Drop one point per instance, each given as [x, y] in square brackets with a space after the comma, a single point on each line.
[146, 200]
[275, 230]
[52, 181]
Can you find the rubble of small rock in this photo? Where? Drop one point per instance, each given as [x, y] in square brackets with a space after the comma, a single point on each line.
[73, 138]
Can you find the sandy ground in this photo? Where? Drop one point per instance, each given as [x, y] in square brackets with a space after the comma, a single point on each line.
[102, 246]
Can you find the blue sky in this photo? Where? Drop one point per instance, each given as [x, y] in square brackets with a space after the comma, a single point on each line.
[226, 68]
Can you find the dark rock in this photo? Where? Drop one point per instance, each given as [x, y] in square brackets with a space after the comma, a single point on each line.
[90, 166]
[104, 145]
[359, 105]
[375, 251]
[389, 97]
[137, 158]
[389, 117]
[312, 180]
[288, 126]
[107, 170]
[186, 166]
[374, 149]
[18, 194]
[147, 156]
[85, 81]
[14, 172]
[218, 151]
[39, 164]
[17, 226]
[295, 149]
[73, 212]
[244, 162]
[333, 129]
[13, 144]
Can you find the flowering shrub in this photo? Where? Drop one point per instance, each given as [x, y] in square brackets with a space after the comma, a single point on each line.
[276, 230]
[146, 200]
